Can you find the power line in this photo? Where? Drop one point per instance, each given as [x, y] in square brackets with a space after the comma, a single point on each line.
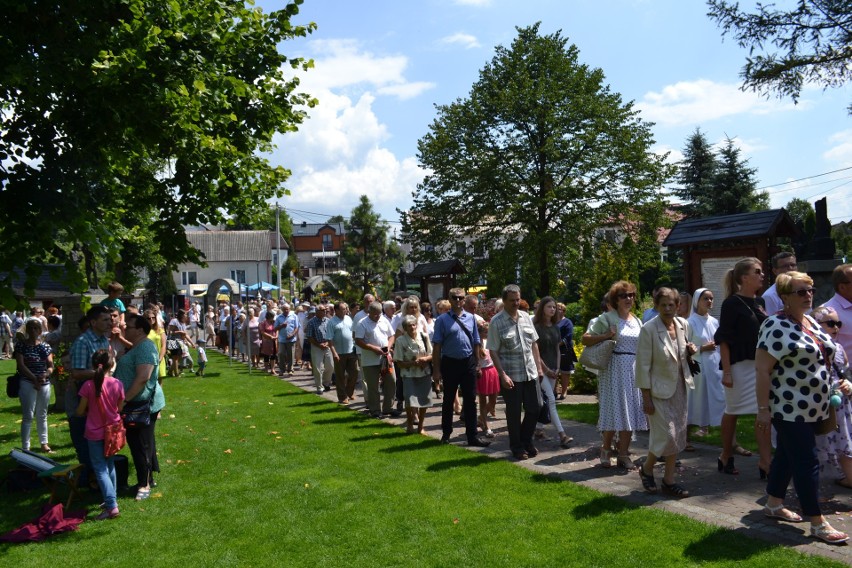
[804, 178]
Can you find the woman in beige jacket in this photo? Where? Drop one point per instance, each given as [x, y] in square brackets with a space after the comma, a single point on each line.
[663, 375]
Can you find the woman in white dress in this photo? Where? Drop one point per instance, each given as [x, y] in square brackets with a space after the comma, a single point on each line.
[620, 404]
[707, 401]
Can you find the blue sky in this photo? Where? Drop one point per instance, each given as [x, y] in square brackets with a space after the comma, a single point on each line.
[382, 65]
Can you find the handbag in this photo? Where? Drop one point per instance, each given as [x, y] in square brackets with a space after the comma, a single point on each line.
[598, 356]
[114, 434]
[544, 410]
[136, 414]
[13, 386]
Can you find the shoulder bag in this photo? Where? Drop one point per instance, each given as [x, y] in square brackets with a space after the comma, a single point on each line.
[13, 386]
[115, 435]
[137, 414]
[599, 355]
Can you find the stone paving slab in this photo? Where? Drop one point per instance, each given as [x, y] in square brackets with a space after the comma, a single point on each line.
[732, 502]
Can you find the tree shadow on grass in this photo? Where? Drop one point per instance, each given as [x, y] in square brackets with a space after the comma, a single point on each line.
[721, 545]
[293, 393]
[470, 461]
[339, 420]
[415, 445]
[311, 403]
[382, 436]
[600, 505]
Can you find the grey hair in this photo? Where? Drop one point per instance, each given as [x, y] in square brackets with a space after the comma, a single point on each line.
[375, 307]
[510, 289]
[406, 320]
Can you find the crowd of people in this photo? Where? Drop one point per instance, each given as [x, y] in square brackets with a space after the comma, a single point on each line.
[774, 356]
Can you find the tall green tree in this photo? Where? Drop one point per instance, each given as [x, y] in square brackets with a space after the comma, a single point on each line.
[735, 185]
[801, 211]
[136, 113]
[370, 256]
[697, 172]
[805, 44]
[540, 152]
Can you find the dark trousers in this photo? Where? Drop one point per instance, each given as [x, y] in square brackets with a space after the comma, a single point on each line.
[459, 373]
[523, 394]
[796, 459]
[346, 375]
[77, 429]
[141, 441]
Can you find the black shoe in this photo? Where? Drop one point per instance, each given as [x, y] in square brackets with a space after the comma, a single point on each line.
[395, 413]
[399, 406]
[532, 451]
[478, 443]
[445, 439]
[326, 388]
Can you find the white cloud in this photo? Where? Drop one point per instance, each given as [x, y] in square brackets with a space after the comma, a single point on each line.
[692, 102]
[342, 63]
[841, 150]
[747, 147]
[467, 41]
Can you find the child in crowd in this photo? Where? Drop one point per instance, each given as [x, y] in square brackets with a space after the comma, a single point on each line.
[113, 301]
[101, 399]
[202, 361]
[488, 383]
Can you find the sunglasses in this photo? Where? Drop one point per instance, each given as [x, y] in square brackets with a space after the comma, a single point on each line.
[803, 292]
[758, 271]
[628, 295]
[457, 298]
[832, 323]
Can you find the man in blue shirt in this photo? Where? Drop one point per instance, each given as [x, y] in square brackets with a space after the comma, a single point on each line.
[322, 361]
[287, 325]
[339, 333]
[456, 346]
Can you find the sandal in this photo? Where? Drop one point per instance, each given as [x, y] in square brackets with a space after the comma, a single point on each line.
[741, 451]
[625, 462]
[605, 459]
[648, 482]
[826, 533]
[143, 494]
[565, 440]
[674, 490]
[782, 513]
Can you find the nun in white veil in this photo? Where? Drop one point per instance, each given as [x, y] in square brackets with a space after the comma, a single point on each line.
[706, 402]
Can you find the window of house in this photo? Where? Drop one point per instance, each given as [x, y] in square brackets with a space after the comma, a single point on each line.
[479, 250]
[326, 241]
[461, 248]
[187, 278]
[238, 276]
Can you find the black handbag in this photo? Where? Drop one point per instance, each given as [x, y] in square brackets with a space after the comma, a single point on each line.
[13, 386]
[136, 414]
[544, 409]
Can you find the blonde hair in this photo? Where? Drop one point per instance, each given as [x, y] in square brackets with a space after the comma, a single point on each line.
[734, 276]
[784, 282]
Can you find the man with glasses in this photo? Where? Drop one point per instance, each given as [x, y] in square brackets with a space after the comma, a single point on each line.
[841, 302]
[287, 325]
[781, 263]
[456, 346]
[513, 348]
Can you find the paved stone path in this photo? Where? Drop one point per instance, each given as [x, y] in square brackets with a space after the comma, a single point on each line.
[733, 502]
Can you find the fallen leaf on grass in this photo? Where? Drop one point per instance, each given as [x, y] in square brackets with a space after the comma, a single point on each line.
[252, 427]
[233, 419]
[156, 495]
[166, 435]
[247, 417]
[181, 462]
[455, 521]
[272, 433]
[228, 451]
[171, 416]
[307, 485]
[303, 423]
[196, 400]
[205, 439]
[271, 403]
[169, 462]
[277, 437]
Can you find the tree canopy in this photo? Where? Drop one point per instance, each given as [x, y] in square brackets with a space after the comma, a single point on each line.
[538, 155]
[370, 256]
[717, 182]
[129, 119]
[812, 44]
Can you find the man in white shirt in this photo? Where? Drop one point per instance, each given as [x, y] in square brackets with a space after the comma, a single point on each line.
[375, 338]
[781, 263]
[841, 278]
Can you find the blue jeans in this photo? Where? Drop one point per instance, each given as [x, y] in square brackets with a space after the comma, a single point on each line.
[104, 469]
[796, 459]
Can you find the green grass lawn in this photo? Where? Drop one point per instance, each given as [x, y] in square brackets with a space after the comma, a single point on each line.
[256, 472]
